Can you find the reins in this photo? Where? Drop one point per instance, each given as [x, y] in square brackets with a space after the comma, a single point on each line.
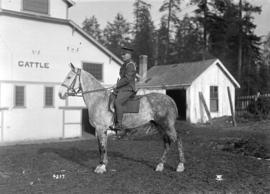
[79, 92]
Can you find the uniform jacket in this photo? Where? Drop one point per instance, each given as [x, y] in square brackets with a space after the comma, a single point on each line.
[127, 77]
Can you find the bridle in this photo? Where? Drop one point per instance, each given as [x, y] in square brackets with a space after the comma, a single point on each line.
[71, 91]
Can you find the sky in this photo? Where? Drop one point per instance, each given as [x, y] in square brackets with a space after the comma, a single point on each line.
[106, 10]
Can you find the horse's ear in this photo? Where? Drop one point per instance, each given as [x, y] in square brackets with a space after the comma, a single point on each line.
[71, 66]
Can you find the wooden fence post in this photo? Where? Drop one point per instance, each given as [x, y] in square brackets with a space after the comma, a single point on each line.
[205, 107]
[231, 105]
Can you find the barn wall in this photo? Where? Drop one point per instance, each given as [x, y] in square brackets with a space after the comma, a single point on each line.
[213, 76]
[53, 46]
[57, 8]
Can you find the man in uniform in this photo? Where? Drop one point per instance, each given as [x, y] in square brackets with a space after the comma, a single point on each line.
[125, 87]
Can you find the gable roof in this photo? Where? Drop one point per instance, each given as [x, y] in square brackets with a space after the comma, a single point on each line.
[70, 3]
[180, 75]
[63, 22]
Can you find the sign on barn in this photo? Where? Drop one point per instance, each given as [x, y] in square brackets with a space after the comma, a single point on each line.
[34, 62]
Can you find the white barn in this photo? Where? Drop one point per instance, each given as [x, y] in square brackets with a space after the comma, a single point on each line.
[184, 81]
[37, 42]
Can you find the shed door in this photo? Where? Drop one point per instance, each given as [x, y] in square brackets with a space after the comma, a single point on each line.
[179, 96]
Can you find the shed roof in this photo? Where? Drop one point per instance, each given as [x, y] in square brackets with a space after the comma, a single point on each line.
[180, 75]
[70, 3]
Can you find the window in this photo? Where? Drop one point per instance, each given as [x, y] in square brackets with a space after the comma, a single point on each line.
[95, 69]
[213, 98]
[38, 6]
[49, 100]
[19, 96]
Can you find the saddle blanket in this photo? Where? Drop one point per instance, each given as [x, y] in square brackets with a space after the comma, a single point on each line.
[132, 105]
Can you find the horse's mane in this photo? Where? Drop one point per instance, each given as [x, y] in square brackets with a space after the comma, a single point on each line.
[89, 81]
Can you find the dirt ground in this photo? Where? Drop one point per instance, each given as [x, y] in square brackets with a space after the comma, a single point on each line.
[239, 154]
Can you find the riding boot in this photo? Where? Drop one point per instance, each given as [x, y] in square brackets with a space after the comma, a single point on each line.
[120, 130]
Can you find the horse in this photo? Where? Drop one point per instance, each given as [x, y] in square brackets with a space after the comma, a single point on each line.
[156, 109]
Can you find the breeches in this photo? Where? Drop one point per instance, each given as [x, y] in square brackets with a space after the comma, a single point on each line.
[121, 98]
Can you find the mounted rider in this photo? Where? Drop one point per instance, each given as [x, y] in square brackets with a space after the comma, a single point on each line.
[125, 87]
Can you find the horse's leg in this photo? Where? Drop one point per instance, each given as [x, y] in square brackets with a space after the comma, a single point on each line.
[175, 138]
[180, 167]
[169, 137]
[167, 144]
[102, 146]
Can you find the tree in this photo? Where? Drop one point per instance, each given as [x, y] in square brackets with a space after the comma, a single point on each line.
[143, 42]
[188, 40]
[172, 7]
[92, 27]
[225, 28]
[202, 15]
[266, 50]
[265, 69]
[117, 34]
[161, 41]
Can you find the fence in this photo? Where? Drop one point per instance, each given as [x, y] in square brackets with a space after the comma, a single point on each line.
[242, 102]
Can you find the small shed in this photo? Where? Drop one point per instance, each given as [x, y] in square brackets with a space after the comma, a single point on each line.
[188, 83]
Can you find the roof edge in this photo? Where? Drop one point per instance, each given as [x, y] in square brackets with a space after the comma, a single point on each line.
[95, 42]
[64, 22]
[70, 3]
[220, 64]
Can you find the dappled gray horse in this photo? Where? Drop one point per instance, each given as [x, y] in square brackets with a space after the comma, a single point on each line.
[156, 110]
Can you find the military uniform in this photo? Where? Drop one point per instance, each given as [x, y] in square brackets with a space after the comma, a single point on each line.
[125, 88]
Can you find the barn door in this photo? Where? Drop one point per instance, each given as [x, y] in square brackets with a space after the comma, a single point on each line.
[179, 96]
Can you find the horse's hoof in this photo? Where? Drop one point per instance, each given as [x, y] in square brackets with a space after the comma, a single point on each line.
[100, 169]
[180, 167]
[160, 167]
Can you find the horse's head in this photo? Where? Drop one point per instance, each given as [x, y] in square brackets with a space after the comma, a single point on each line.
[71, 85]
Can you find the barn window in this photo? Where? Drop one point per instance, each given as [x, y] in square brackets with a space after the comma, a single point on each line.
[37, 6]
[19, 96]
[95, 69]
[214, 98]
[49, 99]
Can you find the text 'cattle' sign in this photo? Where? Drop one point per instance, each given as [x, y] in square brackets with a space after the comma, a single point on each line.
[32, 64]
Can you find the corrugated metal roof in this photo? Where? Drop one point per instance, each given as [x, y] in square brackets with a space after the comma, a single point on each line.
[175, 75]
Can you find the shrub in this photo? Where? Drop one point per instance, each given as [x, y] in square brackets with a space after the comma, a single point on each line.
[260, 107]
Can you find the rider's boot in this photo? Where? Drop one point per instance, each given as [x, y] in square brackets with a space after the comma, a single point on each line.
[120, 130]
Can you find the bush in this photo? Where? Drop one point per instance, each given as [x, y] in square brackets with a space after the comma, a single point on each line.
[260, 107]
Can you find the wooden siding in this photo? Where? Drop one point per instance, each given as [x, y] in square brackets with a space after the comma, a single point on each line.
[213, 76]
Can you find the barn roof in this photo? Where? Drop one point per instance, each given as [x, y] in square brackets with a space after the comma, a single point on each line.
[180, 75]
[70, 23]
[70, 3]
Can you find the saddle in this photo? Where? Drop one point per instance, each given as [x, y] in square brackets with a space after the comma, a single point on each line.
[132, 105]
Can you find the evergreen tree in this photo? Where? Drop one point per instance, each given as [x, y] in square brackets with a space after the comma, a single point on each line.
[172, 8]
[266, 50]
[225, 28]
[161, 36]
[188, 40]
[117, 34]
[143, 42]
[92, 27]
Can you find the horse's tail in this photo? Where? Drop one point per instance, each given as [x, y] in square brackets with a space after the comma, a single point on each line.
[175, 107]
